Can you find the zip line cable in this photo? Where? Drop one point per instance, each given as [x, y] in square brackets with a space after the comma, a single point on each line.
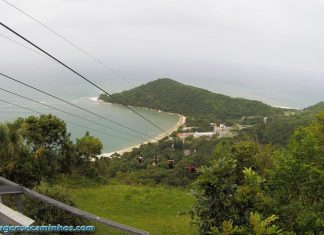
[87, 128]
[6, 76]
[36, 52]
[60, 110]
[81, 76]
[71, 43]
[74, 105]
[26, 47]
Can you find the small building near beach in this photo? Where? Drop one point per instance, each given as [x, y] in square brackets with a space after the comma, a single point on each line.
[184, 135]
[201, 134]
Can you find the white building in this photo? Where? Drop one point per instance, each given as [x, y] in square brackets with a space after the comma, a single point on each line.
[220, 128]
[200, 134]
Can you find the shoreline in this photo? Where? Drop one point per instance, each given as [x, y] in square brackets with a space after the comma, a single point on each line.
[182, 120]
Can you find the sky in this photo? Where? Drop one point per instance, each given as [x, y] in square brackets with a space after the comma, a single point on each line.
[269, 50]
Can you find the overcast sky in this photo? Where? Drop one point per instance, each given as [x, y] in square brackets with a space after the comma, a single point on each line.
[272, 50]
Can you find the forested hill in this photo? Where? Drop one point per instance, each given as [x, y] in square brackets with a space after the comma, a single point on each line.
[284, 124]
[172, 96]
[319, 107]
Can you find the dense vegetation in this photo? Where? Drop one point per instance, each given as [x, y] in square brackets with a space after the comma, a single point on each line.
[315, 108]
[127, 168]
[259, 189]
[200, 105]
[38, 149]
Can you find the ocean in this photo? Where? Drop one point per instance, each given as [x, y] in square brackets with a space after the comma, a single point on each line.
[113, 140]
[59, 82]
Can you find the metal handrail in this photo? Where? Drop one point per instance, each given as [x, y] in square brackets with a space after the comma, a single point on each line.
[73, 210]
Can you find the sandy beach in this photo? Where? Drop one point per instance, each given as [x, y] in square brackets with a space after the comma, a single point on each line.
[182, 120]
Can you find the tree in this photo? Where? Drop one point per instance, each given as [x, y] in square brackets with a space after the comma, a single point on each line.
[89, 147]
[35, 148]
[257, 226]
[49, 143]
[44, 132]
[215, 192]
[285, 185]
[297, 181]
[16, 162]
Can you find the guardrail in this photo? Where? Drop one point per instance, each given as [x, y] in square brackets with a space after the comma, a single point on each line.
[11, 188]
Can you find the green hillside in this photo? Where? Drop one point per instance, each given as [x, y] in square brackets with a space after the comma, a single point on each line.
[169, 95]
[279, 128]
[315, 108]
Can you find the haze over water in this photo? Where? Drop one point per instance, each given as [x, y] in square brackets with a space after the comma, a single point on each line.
[270, 51]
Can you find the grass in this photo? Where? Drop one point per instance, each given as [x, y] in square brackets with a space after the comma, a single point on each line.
[158, 210]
